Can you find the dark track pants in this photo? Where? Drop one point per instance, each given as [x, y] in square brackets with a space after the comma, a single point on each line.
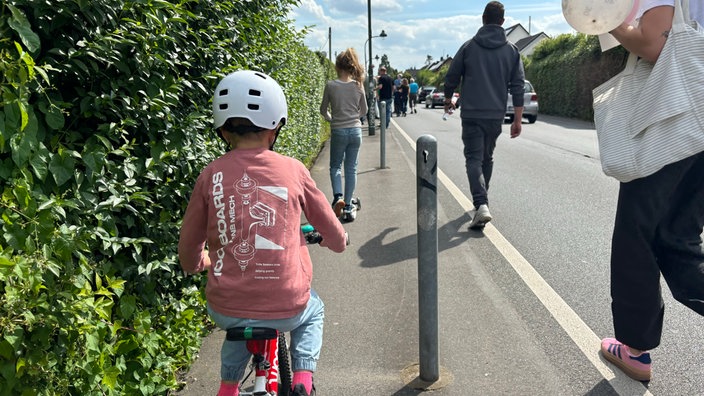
[658, 229]
[479, 137]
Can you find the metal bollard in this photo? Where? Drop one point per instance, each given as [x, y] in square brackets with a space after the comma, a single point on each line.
[382, 141]
[370, 111]
[427, 202]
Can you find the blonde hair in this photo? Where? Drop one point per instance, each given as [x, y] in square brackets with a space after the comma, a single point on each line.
[348, 61]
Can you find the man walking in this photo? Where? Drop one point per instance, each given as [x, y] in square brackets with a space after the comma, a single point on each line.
[385, 88]
[413, 96]
[489, 67]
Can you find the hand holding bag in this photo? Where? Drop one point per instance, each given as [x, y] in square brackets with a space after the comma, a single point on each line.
[646, 116]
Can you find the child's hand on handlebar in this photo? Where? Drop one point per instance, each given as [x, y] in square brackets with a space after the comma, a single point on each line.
[313, 237]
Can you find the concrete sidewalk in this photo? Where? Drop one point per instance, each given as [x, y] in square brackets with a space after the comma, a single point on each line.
[371, 295]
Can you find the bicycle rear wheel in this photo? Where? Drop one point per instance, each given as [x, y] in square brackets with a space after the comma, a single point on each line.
[284, 366]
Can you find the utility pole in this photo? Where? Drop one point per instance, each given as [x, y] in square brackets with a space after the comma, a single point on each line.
[370, 89]
[330, 43]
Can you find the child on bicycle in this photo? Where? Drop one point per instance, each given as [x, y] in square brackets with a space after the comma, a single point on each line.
[246, 207]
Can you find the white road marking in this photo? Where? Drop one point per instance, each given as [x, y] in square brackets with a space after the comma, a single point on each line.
[573, 325]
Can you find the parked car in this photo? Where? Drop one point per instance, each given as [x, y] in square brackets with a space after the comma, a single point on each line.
[423, 92]
[530, 105]
[436, 97]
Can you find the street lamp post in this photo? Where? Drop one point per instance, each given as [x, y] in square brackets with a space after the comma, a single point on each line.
[370, 90]
[371, 87]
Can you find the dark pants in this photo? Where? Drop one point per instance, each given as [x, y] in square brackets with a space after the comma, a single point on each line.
[397, 103]
[479, 138]
[658, 228]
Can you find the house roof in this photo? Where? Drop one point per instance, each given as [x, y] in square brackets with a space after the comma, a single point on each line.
[526, 41]
[510, 29]
[435, 66]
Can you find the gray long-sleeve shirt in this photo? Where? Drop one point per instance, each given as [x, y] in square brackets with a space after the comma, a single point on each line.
[489, 68]
[347, 102]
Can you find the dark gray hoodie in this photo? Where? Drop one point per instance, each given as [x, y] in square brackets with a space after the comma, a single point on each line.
[489, 67]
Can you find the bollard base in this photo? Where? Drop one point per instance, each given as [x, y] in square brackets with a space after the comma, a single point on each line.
[411, 377]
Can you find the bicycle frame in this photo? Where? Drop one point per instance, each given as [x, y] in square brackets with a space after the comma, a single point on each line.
[264, 345]
[265, 359]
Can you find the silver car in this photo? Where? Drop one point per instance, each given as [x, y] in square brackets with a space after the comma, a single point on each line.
[530, 105]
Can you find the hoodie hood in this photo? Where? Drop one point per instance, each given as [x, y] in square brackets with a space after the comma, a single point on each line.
[491, 36]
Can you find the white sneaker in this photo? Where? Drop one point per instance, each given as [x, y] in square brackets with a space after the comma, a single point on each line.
[349, 214]
[481, 217]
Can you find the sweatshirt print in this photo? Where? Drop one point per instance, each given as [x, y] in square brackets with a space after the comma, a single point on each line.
[247, 206]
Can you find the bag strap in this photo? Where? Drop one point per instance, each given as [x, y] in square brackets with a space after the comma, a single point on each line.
[681, 17]
[685, 11]
[630, 64]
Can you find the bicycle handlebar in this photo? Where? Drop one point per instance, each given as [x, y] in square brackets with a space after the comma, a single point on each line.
[312, 236]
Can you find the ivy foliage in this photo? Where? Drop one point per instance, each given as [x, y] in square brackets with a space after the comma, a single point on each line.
[104, 126]
[565, 70]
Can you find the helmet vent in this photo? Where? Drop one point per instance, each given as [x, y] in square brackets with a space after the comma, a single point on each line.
[223, 106]
[254, 92]
[252, 106]
[223, 92]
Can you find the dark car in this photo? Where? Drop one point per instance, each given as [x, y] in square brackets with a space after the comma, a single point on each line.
[423, 93]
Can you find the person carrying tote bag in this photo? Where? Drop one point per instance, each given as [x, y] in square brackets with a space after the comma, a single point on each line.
[643, 115]
[660, 209]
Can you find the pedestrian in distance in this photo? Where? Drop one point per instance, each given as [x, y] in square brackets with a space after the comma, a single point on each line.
[343, 104]
[658, 225]
[398, 81]
[397, 95]
[405, 92]
[489, 67]
[413, 96]
[397, 101]
[246, 206]
[386, 88]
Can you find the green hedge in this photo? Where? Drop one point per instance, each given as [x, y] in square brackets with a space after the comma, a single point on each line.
[104, 126]
[566, 69]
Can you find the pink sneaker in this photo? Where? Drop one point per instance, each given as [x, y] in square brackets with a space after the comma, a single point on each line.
[636, 367]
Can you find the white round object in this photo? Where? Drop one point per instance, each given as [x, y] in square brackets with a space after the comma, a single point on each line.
[596, 16]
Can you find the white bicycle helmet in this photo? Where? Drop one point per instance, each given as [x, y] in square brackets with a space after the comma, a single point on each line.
[251, 95]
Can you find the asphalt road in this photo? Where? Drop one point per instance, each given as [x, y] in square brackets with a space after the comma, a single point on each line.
[552, 203]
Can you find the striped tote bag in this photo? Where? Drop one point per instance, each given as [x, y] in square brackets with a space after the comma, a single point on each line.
[646, 116]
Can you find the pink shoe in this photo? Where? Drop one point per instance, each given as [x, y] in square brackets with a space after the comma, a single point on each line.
[636, 367]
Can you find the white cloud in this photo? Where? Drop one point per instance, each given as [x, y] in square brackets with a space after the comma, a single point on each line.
[414, 28]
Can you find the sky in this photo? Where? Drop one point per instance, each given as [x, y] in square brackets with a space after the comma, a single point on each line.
[415, 28]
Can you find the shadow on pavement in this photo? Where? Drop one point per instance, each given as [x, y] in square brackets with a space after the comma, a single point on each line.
[376, 252]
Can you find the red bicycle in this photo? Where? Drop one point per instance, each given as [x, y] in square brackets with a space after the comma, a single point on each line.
[270, 362]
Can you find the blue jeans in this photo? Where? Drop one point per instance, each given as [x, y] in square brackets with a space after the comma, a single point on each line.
[389, 103]
[306, 330]
[344, 147]
[479, 138]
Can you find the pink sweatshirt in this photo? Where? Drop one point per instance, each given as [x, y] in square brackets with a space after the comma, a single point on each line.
[247, 206]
